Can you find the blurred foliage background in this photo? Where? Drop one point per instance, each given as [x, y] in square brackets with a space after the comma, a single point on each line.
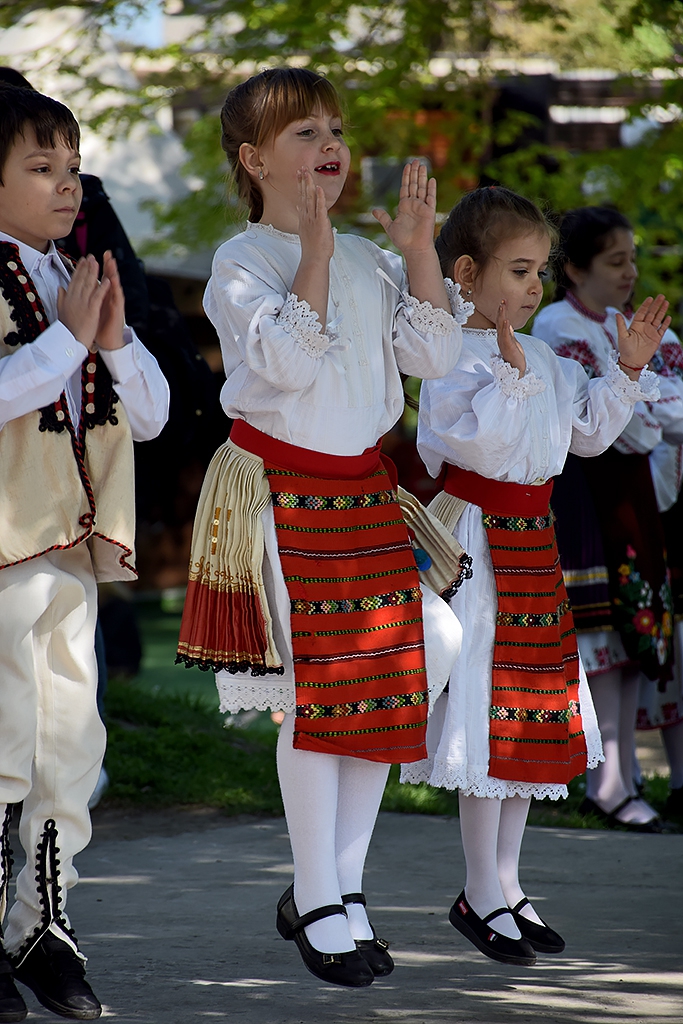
[417, 77]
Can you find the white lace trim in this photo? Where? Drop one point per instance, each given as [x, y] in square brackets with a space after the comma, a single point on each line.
[477, 783]
[236, 697]
[427, 319]
[511, 384]
[646, 389]
[298, 319]
[462, 310]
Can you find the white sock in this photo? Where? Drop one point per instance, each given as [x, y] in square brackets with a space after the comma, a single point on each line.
[513, 814]
[361, 785]
[479, 827]
[309, 782]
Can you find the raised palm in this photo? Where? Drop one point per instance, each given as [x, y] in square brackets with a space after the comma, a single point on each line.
[413, 226]
[640, 340]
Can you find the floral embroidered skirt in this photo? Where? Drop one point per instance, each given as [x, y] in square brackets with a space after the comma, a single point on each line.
[613, 554]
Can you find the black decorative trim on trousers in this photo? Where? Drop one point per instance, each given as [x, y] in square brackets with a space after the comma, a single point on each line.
[49, 891]
[6, 860]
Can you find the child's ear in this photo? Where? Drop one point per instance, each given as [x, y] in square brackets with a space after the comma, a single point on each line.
[250, 160]
[575, 274]
[463, 272]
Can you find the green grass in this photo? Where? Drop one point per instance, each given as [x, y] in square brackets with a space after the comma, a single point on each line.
[168, 744]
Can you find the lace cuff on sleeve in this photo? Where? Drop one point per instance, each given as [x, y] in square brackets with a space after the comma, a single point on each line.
[298, 319]
[646, 389]
[462, 310]
[425, 318]
[511, 384]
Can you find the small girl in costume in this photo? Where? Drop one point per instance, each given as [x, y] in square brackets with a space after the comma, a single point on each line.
[304, 593]
[614, 548]
[517, 721]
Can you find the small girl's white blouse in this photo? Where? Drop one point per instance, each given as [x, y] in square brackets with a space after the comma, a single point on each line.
[339, 391]
[483, 417]
[335, 392]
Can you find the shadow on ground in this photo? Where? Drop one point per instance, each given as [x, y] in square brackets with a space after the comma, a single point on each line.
[177, 918]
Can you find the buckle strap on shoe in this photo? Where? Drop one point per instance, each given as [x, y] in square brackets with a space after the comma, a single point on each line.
[317, 915]
[355, 897]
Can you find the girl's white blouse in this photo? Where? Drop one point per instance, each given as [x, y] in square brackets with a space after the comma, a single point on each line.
[482, 417]
[335, 392]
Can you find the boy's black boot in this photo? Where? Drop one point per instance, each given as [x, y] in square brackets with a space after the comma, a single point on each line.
[56, 977]
[12, 1006]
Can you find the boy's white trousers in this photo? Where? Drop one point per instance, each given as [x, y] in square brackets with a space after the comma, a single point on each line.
[52, 739]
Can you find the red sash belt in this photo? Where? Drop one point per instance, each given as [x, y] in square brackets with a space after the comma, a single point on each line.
[355, 601]
[495, 496]
[535, 728]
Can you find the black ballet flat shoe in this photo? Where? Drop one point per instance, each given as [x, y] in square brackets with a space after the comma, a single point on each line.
[490, 942]
[654, 827]
[12, 1006]
[373, 950]
[56, 977]
[350, 969]
[541, 937]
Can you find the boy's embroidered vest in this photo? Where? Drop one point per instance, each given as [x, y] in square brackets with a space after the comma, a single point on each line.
[60, 486]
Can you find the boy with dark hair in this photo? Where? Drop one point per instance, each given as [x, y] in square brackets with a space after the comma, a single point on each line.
[76, 387]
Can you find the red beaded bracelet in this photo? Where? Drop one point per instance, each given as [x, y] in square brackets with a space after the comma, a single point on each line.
[627, 367]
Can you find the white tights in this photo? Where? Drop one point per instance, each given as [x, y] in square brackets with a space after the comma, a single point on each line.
[331, 805]
[615, 696]
[492, 832]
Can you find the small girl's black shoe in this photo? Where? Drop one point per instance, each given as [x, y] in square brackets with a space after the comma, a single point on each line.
[374, 950]
[487, 939]
[541, 937]
[350, 969]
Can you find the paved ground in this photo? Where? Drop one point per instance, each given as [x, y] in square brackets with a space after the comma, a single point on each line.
[177, 916]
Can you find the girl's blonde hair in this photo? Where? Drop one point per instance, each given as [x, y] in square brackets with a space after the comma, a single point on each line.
[260, 108]
[482, 221]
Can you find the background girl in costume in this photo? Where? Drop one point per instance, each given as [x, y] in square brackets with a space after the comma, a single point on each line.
[517, 721]
[610, 534]
[316, 608]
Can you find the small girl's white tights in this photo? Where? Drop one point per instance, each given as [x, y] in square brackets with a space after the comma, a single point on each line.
[492, 832]
[331, 804]
[479, 827]
[513, 814]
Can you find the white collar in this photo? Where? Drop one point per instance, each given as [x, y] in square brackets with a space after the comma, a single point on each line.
[34, 258]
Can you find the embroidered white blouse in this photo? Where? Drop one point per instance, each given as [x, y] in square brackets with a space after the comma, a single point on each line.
[483, 417]
[338, 391]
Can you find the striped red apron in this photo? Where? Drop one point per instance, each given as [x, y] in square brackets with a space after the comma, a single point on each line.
[355, 601]
[535, 729]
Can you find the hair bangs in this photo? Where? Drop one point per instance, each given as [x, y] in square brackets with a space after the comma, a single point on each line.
[290, 97]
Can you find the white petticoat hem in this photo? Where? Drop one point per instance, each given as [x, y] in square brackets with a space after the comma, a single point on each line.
[235, 697]
[478, 783]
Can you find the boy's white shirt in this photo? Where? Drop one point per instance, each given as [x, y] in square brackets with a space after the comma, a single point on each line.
[35, 375]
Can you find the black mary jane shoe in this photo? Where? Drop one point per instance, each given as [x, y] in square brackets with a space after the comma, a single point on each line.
[655, 826]
[490, 942]
[374, 950]
[541, 937]
[350, 969]
[56, 977]
[12, 1006]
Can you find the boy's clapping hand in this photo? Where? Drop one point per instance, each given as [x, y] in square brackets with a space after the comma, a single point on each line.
[112, 313]
[80, 305]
